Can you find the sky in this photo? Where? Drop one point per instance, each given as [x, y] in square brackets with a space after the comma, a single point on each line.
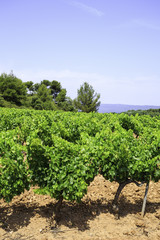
[114, 45]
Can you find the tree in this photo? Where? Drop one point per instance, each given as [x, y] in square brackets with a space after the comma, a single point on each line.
[87, 100]
[61, 96]
[67, 105]
[55, 87]
[30, 87]
[43, 99]
[44, 93]
[47, 94]
[46, 82]
[36, 86]
[12, 89]
[3, 103]
[63, 102]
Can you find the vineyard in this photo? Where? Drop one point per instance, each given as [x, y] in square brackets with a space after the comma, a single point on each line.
[61, 153]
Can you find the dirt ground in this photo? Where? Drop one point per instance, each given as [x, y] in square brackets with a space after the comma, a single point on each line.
[29, 216]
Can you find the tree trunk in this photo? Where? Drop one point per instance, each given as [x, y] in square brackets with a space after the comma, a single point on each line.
[145, 199]
[120, 188]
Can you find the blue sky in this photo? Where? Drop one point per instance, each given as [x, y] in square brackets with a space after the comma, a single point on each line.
[114, 45]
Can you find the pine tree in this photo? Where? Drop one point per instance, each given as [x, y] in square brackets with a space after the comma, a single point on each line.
[87, 99]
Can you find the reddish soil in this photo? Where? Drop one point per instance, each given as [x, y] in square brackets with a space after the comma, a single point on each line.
[29, 216]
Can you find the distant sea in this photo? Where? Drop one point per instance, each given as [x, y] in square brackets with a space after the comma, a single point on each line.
[118, 108]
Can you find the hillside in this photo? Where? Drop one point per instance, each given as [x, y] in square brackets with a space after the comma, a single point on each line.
[117, 108]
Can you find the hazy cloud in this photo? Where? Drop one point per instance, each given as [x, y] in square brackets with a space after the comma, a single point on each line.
[145, 24]
[87, 8]
[138, 23]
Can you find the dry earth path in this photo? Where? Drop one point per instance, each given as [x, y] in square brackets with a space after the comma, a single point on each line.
[28, 216]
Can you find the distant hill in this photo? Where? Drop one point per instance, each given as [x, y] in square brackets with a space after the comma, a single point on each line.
[118, 108]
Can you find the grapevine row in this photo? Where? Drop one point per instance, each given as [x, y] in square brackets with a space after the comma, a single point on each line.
[63, 152]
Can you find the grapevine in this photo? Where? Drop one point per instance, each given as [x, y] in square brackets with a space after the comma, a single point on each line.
[62, 152]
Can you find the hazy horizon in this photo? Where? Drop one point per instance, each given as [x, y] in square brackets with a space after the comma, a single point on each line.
[118, 108]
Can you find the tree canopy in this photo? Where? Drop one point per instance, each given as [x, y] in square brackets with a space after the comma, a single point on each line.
[87, 99]
[12, 89]
[46, 95]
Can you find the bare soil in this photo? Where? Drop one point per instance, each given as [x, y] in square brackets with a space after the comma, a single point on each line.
[30, 216]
